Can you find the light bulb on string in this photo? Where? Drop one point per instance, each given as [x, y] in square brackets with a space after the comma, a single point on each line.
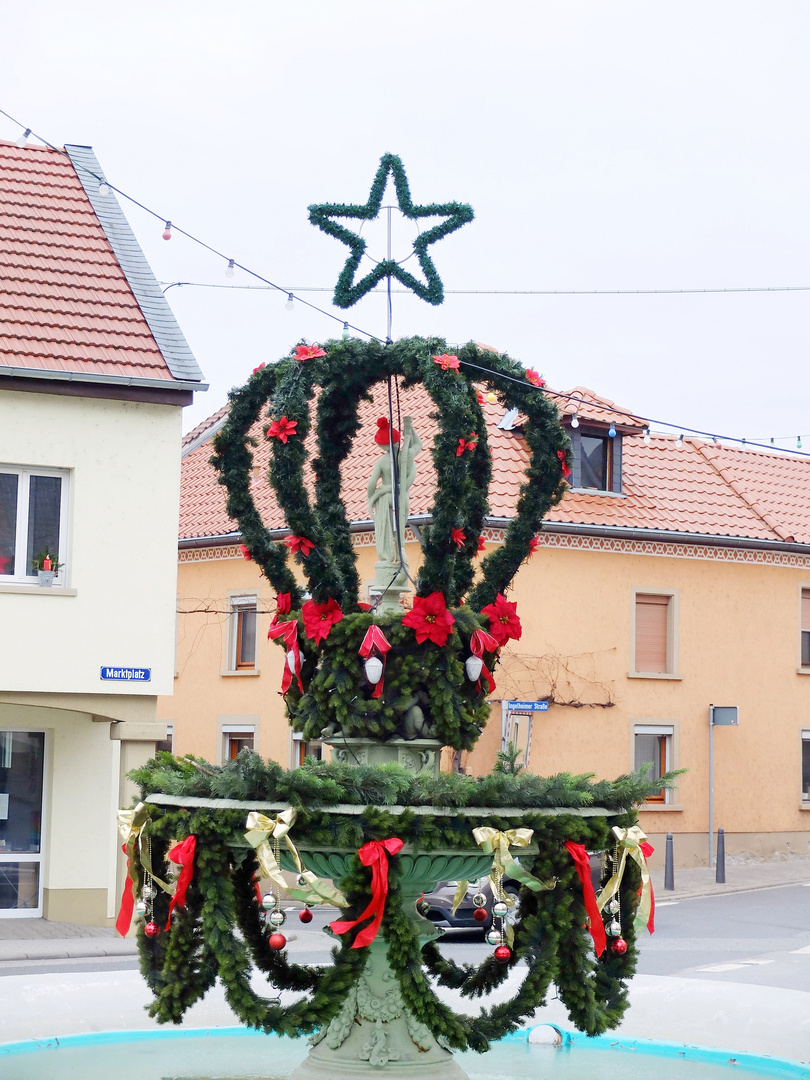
[103, 188]
[290, 302]
[679, 443]
[229, 268]
[646, 436]
[167, 232]
[612, 431]
[799, 442]
[23, 139]
[345, 330]
[492, 398]
[575, 419]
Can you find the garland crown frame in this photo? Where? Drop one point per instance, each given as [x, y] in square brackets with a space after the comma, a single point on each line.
[340, 375]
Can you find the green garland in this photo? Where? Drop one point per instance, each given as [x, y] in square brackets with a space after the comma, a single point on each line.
[345, 376]
[219, 933]
[347, 292]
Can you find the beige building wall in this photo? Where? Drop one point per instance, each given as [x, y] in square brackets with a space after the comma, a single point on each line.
[735, 641]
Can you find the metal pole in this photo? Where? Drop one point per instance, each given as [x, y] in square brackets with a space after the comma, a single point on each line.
[390, 313]
[720, 875]
[711, 784]
[669, 865]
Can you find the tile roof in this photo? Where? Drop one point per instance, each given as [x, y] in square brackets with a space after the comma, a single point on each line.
[697, 488]
[76, 294]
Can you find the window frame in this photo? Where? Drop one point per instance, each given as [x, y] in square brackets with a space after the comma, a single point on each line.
[804, 599]
[24, 474]
[613, 458]
[235, 733]
[238, 605]
[671, 632]
[804, 787]
[667, 730]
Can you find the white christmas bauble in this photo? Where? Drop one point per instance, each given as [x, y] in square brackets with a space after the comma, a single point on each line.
[373, 668]
[291, 661]
[473, 666]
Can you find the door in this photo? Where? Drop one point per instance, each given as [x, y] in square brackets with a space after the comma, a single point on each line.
[22, 756]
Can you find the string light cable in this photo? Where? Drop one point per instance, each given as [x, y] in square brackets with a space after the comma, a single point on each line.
[170, 227]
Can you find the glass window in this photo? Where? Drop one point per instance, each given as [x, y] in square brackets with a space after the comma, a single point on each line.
[653, 747]
[805, 627]
[237, 739]
[806, 766]
[243, 620]
[594, 462]
[167, 743]
[22, 756]
[33, 516]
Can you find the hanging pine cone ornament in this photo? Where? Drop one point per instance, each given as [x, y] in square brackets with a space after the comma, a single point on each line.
[277, 941]
[305, 915]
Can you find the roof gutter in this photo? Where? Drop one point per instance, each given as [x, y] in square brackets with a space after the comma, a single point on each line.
[91, 377]
[608, 532]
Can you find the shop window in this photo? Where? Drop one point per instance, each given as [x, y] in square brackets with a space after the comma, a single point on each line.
[33, 521]
[654, 634]
[243, 625]
[652, 745]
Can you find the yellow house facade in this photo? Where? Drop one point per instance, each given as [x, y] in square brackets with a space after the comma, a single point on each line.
[674, 577]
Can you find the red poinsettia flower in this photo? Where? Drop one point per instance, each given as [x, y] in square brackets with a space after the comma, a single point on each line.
[459, 538]
[259, 368]
[481, 545]
[447, 361]
[534, 378]
[429, 619]
[299, 543]
[469, 443]
[245, 552]
[534, 544]
[563, 456]
[309, 352]
[320, 618]
[282, 429]
[480, 397]
[503, 621]
[364, 607]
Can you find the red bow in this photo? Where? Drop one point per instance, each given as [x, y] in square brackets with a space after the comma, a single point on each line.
[288, 631]
[469, 443]
[374, 854]
[583, 867]
[183, 855]
[375, 641]
[124, 920]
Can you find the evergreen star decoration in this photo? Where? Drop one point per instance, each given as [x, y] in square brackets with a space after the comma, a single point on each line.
[347, 291]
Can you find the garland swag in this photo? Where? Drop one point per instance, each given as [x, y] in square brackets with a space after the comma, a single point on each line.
[344, 371]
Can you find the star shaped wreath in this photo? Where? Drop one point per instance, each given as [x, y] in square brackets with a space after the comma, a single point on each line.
[347, 291]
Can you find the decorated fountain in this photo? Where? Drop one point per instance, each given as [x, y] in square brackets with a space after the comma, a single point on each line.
[387, 685]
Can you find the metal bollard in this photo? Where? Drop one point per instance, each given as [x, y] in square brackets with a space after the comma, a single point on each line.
[720, 873]
[669, 865]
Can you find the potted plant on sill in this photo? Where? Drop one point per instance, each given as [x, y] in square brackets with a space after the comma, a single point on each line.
[46, 563]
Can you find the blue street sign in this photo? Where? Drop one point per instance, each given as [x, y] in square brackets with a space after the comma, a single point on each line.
[126, 674]
[527, 706]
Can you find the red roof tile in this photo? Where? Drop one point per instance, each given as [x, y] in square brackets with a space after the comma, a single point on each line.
[698, 488]
[65, 301]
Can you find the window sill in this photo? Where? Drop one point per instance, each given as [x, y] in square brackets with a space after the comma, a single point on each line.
[653, 675]
[246, 673]
[803, 670]
[599, 491]
[39, 590]
[666, 808]
[804, 804]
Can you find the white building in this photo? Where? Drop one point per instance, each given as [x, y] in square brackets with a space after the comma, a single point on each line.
[93, 375]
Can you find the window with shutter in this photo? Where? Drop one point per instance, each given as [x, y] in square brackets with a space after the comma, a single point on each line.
[653, 749]
[652, 643]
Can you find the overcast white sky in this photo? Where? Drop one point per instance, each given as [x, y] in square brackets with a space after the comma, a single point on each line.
[602, 145]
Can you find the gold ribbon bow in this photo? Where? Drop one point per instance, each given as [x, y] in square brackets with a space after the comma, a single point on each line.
[497, 844]
[261, 829]
[131, 824]
[628, 842]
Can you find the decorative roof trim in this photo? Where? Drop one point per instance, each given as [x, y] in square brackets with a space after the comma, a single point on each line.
[159, 316]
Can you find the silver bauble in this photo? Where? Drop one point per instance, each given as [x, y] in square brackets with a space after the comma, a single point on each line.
[480, 900]
[500, 909]
[494, 937]
[276, 918]
[268, 901]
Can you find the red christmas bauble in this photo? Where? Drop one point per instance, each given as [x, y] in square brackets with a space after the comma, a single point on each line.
[305, 915]
[619, 946]
[503, 953]
[480, 914]
[151, 929]
[276, 941]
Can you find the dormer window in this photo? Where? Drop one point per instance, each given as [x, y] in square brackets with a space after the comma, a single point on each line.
[596, 428]
[595, 462]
